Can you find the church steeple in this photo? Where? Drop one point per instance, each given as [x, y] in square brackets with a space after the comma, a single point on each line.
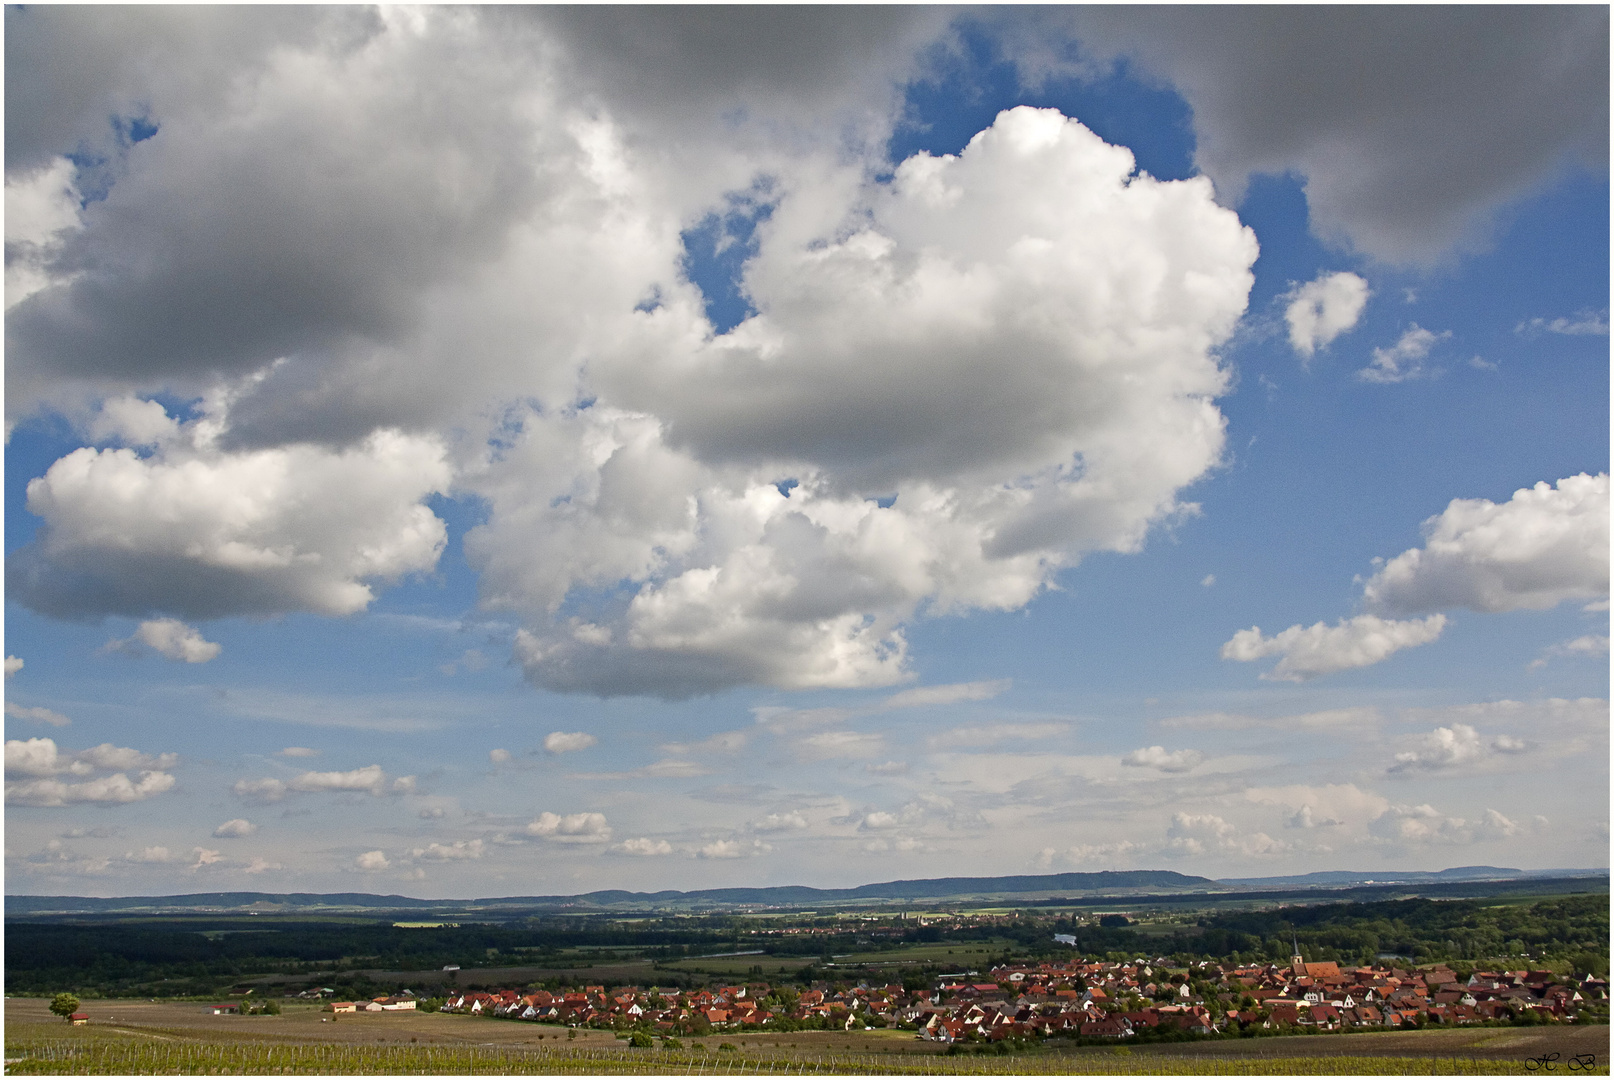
[1296, 964]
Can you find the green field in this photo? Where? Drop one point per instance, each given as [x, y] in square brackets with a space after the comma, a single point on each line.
[953, 955]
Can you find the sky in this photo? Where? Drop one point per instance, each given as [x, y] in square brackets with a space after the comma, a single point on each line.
[472, 452]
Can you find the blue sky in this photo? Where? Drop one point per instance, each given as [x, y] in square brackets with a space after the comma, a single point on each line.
[526, 451]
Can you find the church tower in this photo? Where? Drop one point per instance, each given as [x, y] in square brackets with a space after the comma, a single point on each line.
[1296, 964]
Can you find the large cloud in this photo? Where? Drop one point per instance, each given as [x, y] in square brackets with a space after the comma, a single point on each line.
[956, 383]
[782, 498]
[1410, 125]
[1547, 544]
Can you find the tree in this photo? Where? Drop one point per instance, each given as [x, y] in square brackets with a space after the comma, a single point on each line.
[64, 1005]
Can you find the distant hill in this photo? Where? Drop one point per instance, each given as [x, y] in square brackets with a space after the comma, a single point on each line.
[1338, 878]
[1105, 882]
[1136, 886]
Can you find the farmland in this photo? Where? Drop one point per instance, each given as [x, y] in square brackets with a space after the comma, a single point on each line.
[828, 992]
[130, 1037]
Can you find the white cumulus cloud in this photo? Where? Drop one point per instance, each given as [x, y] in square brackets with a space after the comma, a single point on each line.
[1320, 649]
[1320, 311]
[732, 849]
[39, 765]
[1545, 545]
[643, 846]
[371, 862]
[458, 851]
[208, 532]
[564, 742]
[1450, 747]
[1422, 824]
[13, 665]
[785, 822]
[1063, 310]
[155, 854]
[1026, 248]
[1158, 757]
[170, 638]
[370, 780]
[582, 828]
[117, 788]
[1192, 835]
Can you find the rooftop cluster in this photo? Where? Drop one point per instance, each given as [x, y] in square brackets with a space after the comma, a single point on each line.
[1076, 998]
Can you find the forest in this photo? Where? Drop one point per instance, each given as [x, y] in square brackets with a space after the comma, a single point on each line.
[196, 955]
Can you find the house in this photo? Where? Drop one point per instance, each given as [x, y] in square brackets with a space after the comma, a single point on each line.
[79, 1019]
[343, 1007]
[1113, 1027]
[221, 1010]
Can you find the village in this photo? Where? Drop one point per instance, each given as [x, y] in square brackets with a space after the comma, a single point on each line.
[1072, 999]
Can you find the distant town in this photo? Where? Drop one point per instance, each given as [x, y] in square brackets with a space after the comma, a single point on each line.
[1075, 998]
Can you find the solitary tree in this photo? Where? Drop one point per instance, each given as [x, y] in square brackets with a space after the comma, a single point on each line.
[64, 1005]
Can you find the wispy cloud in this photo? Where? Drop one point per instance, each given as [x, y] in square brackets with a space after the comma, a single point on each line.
[996, 734]
[1584, 323]
[37, 715]
[1354, 717]
[1405, 359]
[948, 694]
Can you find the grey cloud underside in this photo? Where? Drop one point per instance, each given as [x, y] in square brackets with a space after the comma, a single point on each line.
[351, 206]
[776, 59]
[670, 676]
[67, 71]
[91, 585]
[1410, 124]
